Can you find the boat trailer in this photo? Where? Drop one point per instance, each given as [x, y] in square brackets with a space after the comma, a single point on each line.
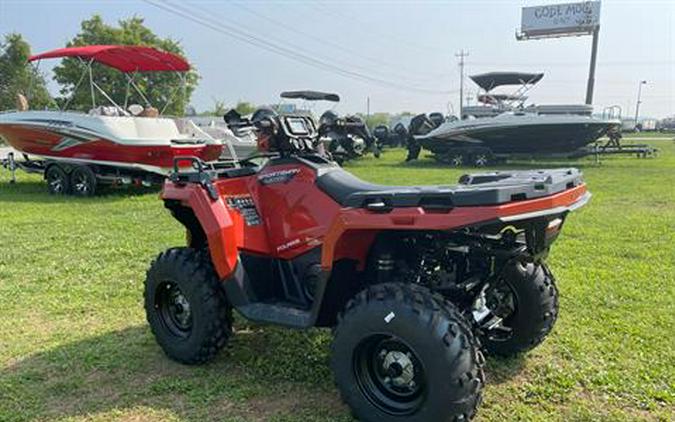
[102, 174]
[613, 146]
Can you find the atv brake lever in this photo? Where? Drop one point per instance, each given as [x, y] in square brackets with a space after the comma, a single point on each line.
[205, 181]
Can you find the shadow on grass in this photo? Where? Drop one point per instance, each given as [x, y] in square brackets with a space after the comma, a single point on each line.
[36, 191]
[500, 370]
[125, 370]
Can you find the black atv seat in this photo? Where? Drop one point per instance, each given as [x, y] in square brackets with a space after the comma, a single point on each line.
[350, 191]
[472, 190]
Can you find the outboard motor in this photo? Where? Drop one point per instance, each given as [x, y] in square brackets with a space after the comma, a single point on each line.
[437, 119]
[266, 123]
[381, 133]
[419, 125]
[239, 125]
[400, 135]
[328, 119]
[232, 117]
[347, 137]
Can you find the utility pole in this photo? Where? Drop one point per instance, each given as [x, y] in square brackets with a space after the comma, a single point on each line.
[591, 70]
[637, 104]
[469, 98]
[461, 56]
[367, 108]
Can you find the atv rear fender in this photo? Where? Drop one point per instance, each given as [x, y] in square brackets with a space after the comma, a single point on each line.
[353, 232]
[220, 228]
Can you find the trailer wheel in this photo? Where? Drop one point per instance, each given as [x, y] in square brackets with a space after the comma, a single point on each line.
[457, 159]
[83, 181]
[481, 159]
[57, 180]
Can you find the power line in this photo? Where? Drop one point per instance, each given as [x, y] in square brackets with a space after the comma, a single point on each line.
[369, 29]
[292, 54]
[577, 64]
[352, 52]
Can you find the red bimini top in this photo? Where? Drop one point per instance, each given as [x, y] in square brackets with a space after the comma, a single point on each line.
[125, 58]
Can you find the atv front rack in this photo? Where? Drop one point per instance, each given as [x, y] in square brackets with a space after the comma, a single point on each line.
[204, 173]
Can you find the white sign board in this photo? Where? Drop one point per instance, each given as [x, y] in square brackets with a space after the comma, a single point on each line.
[562, 19]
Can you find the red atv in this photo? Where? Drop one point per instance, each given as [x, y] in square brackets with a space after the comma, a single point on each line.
[414, 281]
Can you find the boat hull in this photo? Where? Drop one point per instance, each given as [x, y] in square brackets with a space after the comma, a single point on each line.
[554, 138]
[90, 148]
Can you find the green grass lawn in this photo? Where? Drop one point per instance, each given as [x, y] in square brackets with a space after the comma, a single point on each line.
[647, 135]
[74, 344]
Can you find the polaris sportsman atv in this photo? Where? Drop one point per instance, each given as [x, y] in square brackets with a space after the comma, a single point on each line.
[416, 282]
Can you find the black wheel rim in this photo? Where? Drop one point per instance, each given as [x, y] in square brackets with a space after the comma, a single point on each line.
[457, 160]
[81, 183]
[389, 374]
[503, 304]
[56, 182]
[173, 309]
[481, 160]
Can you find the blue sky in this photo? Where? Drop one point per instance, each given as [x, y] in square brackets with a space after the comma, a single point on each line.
[410, 44]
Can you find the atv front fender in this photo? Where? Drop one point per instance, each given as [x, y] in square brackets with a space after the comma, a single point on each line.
[222, 228]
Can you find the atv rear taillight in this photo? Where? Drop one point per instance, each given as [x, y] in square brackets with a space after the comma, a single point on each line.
[554, 225]
[552, 230]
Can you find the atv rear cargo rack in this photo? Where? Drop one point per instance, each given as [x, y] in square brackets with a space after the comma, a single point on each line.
[472, 190]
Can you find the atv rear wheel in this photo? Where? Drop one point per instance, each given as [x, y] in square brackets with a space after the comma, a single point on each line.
[185, 306]
[523, 307]
[402, 353]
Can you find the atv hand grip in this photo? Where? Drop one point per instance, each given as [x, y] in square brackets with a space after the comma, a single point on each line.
[201, 177]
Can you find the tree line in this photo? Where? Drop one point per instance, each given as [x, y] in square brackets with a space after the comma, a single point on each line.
[16, 77]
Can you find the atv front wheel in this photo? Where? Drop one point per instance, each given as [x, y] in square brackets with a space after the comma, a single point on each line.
[186, 307]
[401, 353]
[520, 310]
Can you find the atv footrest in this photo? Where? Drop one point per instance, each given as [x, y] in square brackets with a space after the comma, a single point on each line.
[277, 313]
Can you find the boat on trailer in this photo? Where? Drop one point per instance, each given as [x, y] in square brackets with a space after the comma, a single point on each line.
[111, 143]
[504, 127]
